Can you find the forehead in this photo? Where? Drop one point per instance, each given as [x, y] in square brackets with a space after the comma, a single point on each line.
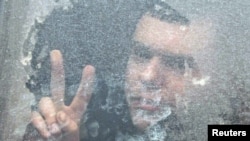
[163, 36]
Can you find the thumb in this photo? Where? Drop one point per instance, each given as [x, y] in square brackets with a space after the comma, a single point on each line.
[68, 126]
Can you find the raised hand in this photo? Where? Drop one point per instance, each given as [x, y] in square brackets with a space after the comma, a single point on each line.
[54, 119]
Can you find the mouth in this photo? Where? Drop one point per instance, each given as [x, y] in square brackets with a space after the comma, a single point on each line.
[148, 107]
[145, 104]
[147, 98]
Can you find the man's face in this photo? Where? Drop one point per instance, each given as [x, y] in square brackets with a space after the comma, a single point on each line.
[155, 73]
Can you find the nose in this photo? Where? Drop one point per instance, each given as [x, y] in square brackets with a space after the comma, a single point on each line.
[151, 73]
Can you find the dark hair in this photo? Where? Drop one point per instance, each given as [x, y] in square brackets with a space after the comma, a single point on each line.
[161, 10]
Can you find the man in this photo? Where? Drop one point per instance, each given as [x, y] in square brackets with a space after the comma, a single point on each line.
[154, 78]
[157, 68]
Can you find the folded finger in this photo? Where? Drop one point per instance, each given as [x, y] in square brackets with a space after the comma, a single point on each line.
[69, 127]
[57, 84]
[39, 123]
[48, 111]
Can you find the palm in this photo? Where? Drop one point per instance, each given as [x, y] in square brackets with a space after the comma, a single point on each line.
[72, 115]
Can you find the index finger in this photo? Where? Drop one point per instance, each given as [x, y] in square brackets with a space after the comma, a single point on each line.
[84, 91]
[57, 83]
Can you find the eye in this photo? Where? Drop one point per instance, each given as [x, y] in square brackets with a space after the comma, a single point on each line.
[176, 63]
[142, 54]
[140, 58]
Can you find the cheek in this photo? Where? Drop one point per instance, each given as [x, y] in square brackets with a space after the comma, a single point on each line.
[172, 89]
[174, 84]
[178, 85]
[131, 79]
[133, 72]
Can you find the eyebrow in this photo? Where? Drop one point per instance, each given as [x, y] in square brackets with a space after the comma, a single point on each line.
[146, 50]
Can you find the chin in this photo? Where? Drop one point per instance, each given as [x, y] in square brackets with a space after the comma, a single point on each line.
[143, 119]
[141, 124]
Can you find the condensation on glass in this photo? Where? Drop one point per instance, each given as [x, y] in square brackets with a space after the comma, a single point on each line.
[164, 69]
